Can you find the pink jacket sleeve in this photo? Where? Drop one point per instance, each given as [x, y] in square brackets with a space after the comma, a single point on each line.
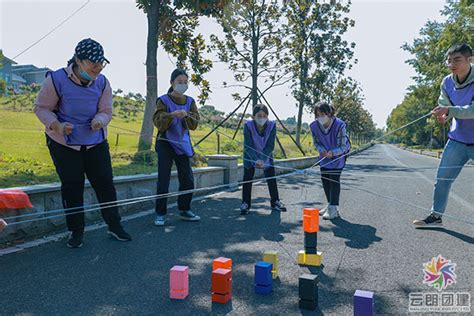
[46, 103]
[104, 115]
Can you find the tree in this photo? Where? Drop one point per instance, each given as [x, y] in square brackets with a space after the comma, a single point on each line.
[3, 87]
[3, 84]
[318, 54]
[209, 115]
[348, 102]
[129, 105]
[172, 23]
[252, 44]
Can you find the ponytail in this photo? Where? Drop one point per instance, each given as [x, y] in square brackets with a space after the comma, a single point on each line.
[177, 72]
[72, 61]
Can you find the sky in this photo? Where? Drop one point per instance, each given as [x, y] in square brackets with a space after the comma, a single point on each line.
[381, 27]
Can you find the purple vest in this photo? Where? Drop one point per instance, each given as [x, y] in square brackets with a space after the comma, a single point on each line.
[78, 105]
[329, 141]
[261, 141]
[462, 130]
[177, 133]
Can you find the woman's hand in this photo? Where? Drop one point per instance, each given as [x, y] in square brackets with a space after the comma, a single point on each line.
[62, 128]
[3, 224]
[259, 164]
[328, 154]
[179, 114]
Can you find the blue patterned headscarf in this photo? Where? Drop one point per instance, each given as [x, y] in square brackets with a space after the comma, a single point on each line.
[91, 50]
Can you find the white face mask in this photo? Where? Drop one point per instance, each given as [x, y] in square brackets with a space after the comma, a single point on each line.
[260, 121]
[323, 120]
[180, 87]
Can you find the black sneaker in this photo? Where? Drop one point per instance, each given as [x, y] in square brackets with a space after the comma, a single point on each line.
[279, 206]
[119, 233]
[244, 209]
[75, 240]
[189, 216]
[431, 221]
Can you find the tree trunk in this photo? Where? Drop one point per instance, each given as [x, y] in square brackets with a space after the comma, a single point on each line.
[301, 99]
[255, 46]
[146, 134]
[298, 122]
[303, 78]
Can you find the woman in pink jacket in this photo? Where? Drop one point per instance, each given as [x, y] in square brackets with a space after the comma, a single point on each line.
[75, 105]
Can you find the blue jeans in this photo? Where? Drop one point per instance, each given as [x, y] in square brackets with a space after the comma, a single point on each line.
[455, 156]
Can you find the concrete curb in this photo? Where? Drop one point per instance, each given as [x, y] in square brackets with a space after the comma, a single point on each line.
[62, 235]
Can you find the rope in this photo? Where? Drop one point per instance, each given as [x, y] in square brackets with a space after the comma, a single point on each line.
[400, 201]
[141, 199]
[52, 30]
[153, 197]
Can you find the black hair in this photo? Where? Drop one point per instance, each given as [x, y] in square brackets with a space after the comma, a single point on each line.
[175, 74]
[463, 49]
[324, 107]
[259, 107]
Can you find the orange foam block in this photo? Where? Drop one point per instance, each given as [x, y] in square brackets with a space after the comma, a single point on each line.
[221, 285]
[311, 220]
[222, 263]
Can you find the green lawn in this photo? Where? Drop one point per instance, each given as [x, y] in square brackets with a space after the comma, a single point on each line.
[25, 160]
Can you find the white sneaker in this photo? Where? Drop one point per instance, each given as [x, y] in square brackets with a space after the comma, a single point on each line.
[160, 220]
[323, 211]
[331, 212]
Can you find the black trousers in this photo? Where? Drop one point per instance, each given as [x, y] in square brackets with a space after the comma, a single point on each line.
[166, 156]
[331, 183]
[247, 187]
[71, 165]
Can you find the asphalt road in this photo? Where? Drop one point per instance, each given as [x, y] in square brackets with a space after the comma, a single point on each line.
[372, 247]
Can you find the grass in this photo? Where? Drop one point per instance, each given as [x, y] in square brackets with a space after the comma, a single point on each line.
[25, 160]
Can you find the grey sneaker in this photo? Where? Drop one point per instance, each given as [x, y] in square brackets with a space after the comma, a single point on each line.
[189, 216]
[279, 206]
[431, 221]
[160, 220]
[244, 209]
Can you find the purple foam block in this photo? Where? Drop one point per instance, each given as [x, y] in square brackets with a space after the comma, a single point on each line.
[364, 303]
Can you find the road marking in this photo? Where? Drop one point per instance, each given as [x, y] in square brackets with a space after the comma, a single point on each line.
[452, 194]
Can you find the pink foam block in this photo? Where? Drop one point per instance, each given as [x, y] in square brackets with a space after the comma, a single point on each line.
[179, 282]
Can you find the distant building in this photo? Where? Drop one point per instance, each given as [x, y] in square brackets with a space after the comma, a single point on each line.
[30, 73]
[19, 75]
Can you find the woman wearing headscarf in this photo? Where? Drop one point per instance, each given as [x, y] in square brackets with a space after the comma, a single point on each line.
[75, 105]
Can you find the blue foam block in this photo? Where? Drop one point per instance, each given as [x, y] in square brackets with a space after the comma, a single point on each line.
[263, 273]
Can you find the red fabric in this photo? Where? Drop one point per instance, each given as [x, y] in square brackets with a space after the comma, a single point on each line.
[14, 199]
